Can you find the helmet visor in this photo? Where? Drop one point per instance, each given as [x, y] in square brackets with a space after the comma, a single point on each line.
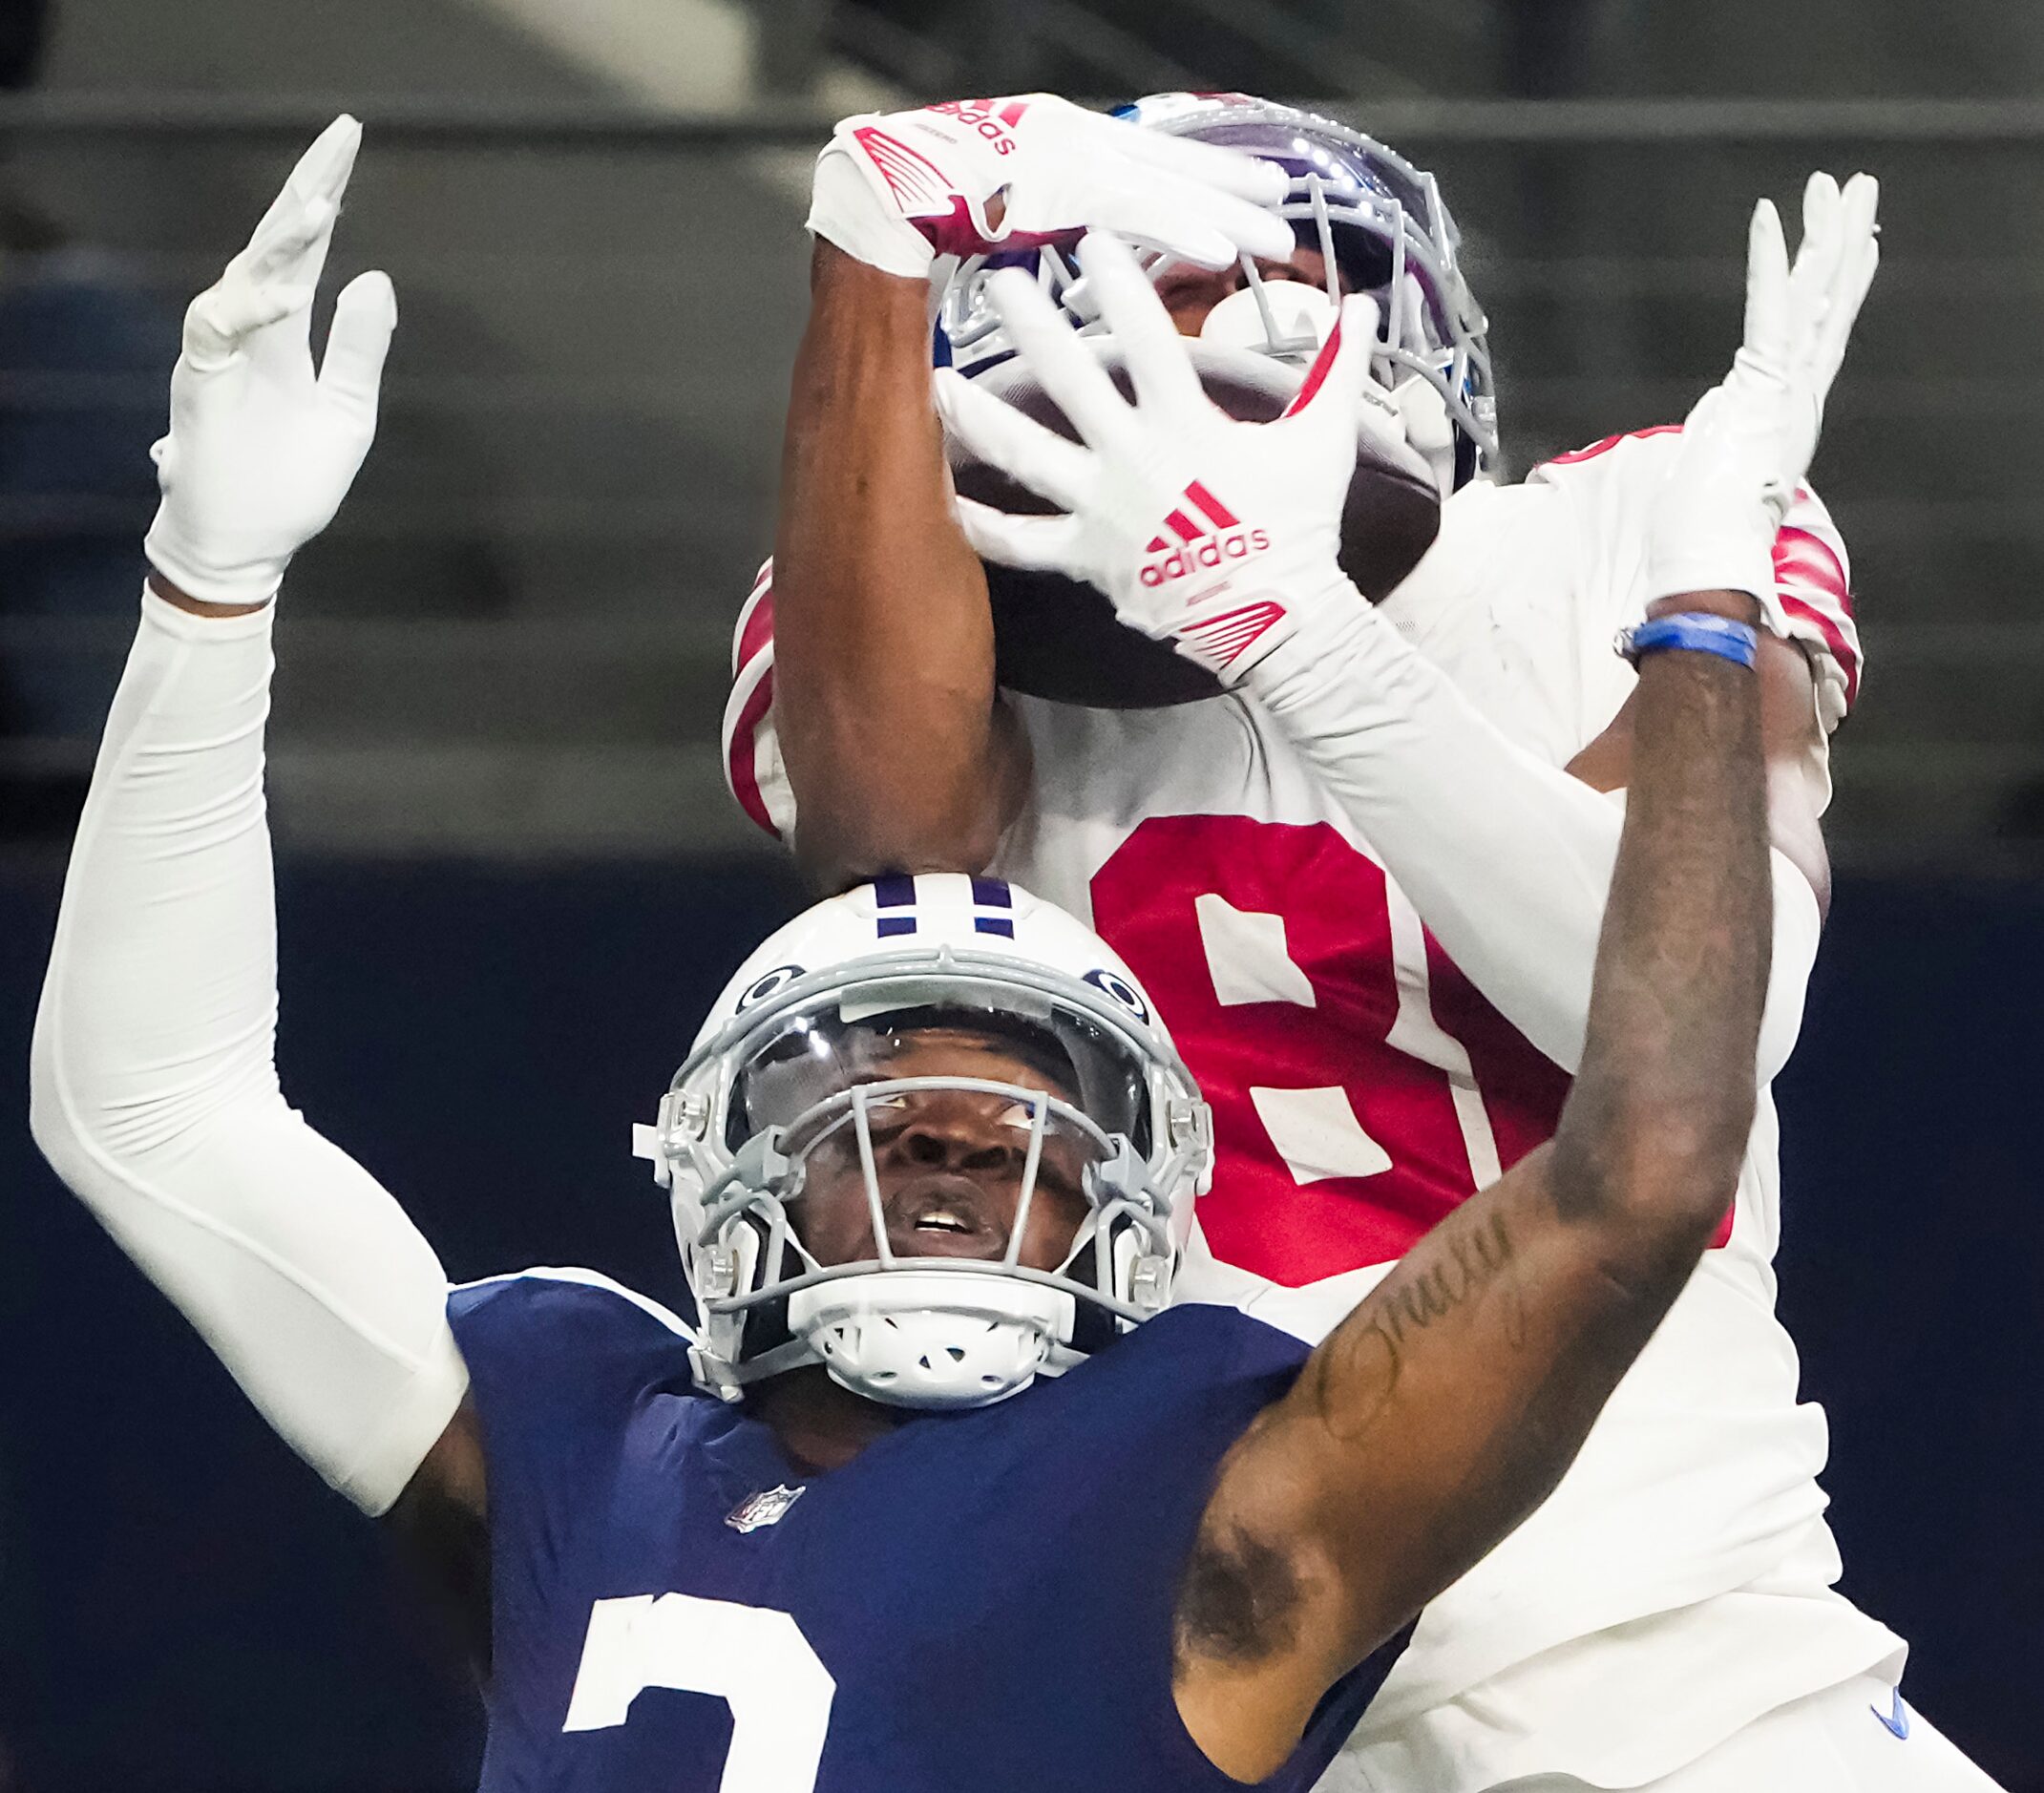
[934, 1027]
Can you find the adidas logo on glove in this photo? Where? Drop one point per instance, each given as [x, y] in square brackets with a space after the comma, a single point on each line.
[1201, 549]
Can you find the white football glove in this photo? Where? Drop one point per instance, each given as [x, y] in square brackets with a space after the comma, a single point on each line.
[896, 190]
[262, 451]
[1219, 536]
[1748, 444]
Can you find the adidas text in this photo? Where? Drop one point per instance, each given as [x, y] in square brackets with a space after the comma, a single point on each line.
[1209, 551]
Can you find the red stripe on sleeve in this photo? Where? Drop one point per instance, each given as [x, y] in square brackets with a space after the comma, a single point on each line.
[1834, 639]
[755, 627]
[1806, 559]
[739, 754]
[1609, 443]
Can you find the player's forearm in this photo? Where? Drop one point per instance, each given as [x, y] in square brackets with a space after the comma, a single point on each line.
[1656, 1124]
[1449, 1403]
[1508, 861]
[154, 1084]
[884, 644]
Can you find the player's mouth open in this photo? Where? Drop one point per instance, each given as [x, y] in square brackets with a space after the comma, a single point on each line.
[943, 1216]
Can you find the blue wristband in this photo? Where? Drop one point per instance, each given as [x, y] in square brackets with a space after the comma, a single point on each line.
[1694, 631]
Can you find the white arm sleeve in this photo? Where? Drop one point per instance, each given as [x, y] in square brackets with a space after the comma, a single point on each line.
[1509, 860]
[154, 1080]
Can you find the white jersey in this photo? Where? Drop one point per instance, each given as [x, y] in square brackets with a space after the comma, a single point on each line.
[1361, 1087]
[1521, 596]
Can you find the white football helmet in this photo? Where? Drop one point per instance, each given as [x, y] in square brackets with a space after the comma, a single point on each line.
[792, 1062]
[1383, 229]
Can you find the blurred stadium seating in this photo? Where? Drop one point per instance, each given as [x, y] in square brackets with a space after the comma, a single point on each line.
[513, 643]
[512, 873]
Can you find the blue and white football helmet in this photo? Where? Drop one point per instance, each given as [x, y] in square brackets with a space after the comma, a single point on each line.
[1380, 226]
[792, 1062]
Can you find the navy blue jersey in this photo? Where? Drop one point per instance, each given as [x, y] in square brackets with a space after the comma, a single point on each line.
[978, 1602]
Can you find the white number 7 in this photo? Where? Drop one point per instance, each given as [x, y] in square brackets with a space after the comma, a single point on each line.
[755, 1659]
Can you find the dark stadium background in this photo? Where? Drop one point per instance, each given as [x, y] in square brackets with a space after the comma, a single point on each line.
[509, 878]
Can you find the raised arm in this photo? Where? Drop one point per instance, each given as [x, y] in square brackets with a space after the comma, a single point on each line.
[1444, 1410]
[154, 1080]
[898, 751]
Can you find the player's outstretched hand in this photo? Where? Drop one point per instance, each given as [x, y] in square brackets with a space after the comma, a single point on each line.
[1748, 444]
[895, 190]
[1219, 536]
[262, 450]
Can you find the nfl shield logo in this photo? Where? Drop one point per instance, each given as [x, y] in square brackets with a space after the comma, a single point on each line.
[767, 1507]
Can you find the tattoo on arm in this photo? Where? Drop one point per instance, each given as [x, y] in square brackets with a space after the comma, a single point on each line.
[1358, 1370]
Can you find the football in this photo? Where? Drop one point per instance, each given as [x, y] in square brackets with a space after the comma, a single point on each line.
[1058, 638]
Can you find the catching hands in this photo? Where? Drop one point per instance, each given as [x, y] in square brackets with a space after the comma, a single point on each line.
[1748, 444]
[896, 190]
[262, 450]
[1219, 536]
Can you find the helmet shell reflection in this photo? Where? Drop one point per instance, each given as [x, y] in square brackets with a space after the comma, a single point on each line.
[1382, 227]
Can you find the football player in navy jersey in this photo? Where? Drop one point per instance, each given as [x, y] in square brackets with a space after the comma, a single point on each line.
[935, 1495]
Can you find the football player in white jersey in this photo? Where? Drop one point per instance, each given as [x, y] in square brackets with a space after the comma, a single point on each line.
[1384, 1011]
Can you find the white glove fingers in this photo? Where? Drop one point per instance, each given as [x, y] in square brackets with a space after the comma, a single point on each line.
[1815, 270]
[1820, 206]
[219, 323]
[1193, 223]
[1859, 256]
[290, 247]
[1861, 230]
[1040, 544]
[1335, 382]
[324, 170]
[363, 316]
[258, 456]
[1002, 437]
[1064, 368]
[1142, 328]
[1158, 223]
[1860, 207]
[1767, 293]
[285, 237]
[1195, 210]
[303, 211]
[1208, 164]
